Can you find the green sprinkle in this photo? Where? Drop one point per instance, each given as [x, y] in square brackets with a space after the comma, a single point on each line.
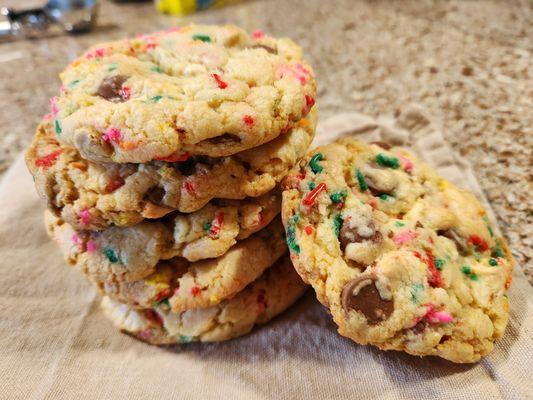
[57, 126]
[361, 180]
[386, 197]
[291, 240]
[157, 68]
[415, 292]
[296, 218]
[491, 233]
[473, 277]
[387, 161]
[439, 263]
[505, 295]
[110, 254]
[399, 224]
[337, 197]
[497, 252]
[493, 262]
[313, 163]
[186, 339]
[164, 302]
[155, 99]
[207, 226]
[337, 224]
[312, 185]
[203, 38]
[477, 256]
[112, 67]
[466, 270]
[73, 83]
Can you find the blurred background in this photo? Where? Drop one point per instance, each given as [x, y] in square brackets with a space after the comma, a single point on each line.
[467, 63]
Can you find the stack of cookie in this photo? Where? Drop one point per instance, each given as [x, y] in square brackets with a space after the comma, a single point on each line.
[160, 164]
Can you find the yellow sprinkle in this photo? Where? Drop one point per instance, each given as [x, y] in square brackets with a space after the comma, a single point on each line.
[443, 184]
[213, 299]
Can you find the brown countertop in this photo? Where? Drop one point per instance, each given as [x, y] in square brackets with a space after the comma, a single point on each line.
[469, 64]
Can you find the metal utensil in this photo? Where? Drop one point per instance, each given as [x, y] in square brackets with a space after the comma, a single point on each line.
[73, 16]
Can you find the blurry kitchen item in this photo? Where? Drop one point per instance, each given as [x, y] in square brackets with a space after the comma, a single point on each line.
[183, 7]
[73, 16]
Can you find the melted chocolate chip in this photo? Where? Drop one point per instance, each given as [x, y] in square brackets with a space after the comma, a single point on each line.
[110, 88]
[155, 195]
[362, 295]
[419, 327]
[225, 139]
[267, 48]
[460, 243]
[383, 145]
[349, 235]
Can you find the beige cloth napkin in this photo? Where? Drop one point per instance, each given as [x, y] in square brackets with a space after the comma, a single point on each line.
[56, 344]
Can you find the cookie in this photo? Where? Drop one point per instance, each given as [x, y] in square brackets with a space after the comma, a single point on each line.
[276, 290]
[131, 273]
[204, 90]
[403, 259]
[206, 233]
[93, 196]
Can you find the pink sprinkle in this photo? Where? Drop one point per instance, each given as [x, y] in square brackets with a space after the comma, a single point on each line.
[407, 164]
[145, 334]
[85, 217]
[76, 240]
[403, 237]
[297, 71]
[112, 135]
[125, 92]
[437, 317]
[91, 246]
[53, 106]
[95, 53]
[258, 34]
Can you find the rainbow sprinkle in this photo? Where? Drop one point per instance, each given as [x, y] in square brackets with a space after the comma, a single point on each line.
[110, 254]
[361, 180]
[313, 163]
[202, 38]
[387, 161]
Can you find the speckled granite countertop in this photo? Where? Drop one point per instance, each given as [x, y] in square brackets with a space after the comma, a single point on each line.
[469, 64]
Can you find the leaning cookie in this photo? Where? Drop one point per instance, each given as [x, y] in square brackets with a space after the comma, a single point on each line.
[276, 290]
[93, 196]
[181, 283]
[207, 90]
[403, 259]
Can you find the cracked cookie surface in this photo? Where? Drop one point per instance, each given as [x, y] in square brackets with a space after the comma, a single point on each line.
[207, 90]
[131, 269]
[93, 196]
[403, 259]
[273, 292]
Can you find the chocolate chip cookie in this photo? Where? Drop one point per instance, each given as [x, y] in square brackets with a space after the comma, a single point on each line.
[92, 196]
[277, 289]
[403, 259]
[133, 268]
[203, 90]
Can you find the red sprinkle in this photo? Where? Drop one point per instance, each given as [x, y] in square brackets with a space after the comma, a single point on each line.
[48, 160]
[258, 34]
[189, 187]
[217, 225]
[164, 294]
[434, 278]
[221, 84]
[309, 200]
[478, 242]
[308, 229]
[154, 317]
[195, 291]
[309, 101]
[125, 92]
[175, 157]
[248, 120]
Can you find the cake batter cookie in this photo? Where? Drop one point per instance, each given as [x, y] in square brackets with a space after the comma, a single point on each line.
[207, 90]
[123, 273]
[276, 290]
[93, 196]
[403, 259]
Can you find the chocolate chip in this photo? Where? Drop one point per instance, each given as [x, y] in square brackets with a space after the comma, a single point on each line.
[460, 243]
[383, 145]
[267, 48]
[362, 295]
[419, 327]
[349, 235]
[225, 139]
[155, 195]
[110, 88]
